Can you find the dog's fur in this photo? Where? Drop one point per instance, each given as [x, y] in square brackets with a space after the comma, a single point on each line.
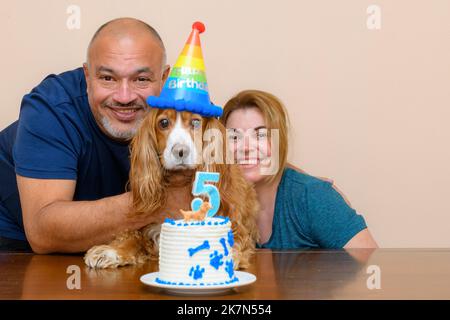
[161, 186]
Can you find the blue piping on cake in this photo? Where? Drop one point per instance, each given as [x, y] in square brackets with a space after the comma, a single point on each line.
[170, 221]
[183, 223]
[187, 284]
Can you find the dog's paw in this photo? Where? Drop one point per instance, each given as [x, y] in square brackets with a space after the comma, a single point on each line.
[240, 259]
[102, 257]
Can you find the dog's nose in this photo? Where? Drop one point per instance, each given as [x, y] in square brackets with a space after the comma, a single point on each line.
[180, 151]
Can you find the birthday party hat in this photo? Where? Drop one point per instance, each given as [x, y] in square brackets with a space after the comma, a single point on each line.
[186, 88]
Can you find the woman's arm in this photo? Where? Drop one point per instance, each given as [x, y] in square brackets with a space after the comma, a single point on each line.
[362, 239]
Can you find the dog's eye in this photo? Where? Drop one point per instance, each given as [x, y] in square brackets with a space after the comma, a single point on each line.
[196, 123]
[164, 123]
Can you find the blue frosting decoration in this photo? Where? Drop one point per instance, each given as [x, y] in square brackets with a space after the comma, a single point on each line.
[168, 220]
[182, 223]
[196, 273]
[224, 245]
[187, 284]
[229, 268]
[216, 260]
[230, 238]
[203, 246]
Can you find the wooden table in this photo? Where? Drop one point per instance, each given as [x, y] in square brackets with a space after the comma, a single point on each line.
[311, 274]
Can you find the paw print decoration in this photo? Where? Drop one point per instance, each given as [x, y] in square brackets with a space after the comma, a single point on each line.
[219, 256]
[196, 273]
[216, 260]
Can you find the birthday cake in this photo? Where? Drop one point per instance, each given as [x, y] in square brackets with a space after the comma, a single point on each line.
[196, 253]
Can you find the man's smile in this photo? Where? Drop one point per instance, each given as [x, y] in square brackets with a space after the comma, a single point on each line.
[125, 114]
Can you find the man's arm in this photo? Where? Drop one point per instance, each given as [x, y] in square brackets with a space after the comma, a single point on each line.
[55, 223]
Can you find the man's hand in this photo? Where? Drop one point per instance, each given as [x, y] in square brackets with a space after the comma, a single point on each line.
[55, 223]
[289, 165]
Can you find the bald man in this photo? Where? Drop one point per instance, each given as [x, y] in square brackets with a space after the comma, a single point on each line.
[67, 158]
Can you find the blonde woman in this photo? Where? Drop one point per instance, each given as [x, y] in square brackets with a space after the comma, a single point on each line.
[296, 210]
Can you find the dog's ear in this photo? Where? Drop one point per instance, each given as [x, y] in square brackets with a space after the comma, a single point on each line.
[146, 172]
[214, 159]
[214, 147]
[238, 197]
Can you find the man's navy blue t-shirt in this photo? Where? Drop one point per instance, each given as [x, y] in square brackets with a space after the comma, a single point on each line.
[57, 137]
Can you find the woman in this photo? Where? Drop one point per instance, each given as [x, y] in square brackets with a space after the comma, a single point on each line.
[297, 210]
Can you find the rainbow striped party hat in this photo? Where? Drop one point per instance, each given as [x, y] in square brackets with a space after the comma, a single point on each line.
[186, 88]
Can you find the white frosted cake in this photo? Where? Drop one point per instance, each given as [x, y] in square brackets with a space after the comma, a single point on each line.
[196, 253]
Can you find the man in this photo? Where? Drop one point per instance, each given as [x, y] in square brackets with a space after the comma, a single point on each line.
[69, 150]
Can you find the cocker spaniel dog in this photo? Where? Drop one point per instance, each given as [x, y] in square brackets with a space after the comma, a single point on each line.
[166, 152]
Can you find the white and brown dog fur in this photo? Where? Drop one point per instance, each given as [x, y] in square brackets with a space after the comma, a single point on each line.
[164, 159]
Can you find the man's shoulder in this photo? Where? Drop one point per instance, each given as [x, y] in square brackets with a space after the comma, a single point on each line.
[62, 88]
[57, 97]
[56, 110]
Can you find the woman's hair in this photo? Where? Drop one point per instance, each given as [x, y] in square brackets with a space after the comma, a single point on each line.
[274, 114]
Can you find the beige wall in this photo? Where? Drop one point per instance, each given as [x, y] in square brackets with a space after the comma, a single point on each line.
[369, 108]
